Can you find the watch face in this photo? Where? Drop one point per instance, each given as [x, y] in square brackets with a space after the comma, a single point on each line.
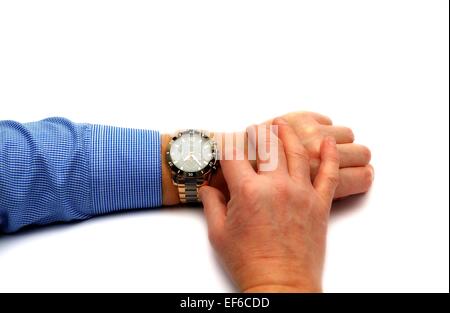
[191, 152]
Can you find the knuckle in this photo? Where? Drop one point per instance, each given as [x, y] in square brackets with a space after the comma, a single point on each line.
[247, 188]
[281, 192]
[312, 129]
[278, 120]
[333, 179]
[297, 114]
[333, 158]
[306, 114]
[298, 154]
[280, 183]
[299, 119]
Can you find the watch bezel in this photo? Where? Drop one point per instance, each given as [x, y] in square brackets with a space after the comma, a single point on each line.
[211, 166]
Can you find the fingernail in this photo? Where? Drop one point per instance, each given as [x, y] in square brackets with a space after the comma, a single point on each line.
[372, 172]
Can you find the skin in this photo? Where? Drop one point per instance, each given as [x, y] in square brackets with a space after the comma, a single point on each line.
[355, 174]
[271, 234]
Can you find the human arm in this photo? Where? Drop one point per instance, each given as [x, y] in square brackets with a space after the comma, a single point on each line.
[58, 171]
[271, 234]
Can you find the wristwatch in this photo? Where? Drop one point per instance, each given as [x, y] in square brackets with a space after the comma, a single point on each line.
[192, 158]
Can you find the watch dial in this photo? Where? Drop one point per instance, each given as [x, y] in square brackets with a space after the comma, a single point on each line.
[191, 152]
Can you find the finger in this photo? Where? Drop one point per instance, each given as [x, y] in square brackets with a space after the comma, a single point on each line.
[328, 176]
[215, 210]
[234, 168]
[268, 148]
[350, 155]
[353, 155]
[354, 180]
[302, 116]
[218, 181]
[296, 154]
[340, 133]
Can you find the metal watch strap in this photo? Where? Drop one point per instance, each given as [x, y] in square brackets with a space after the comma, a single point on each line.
[188, 189]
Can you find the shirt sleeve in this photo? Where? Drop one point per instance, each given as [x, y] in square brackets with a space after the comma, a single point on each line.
[58, 171]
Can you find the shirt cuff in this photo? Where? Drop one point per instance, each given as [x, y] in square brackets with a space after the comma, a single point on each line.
[125, 168]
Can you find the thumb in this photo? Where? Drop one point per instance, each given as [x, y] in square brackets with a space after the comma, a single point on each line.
[328, 176]
[215, 211]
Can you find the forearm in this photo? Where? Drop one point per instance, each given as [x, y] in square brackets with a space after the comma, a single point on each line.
[57, 171]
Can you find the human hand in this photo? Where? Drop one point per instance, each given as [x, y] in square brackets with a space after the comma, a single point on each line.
[271, 235]
[355, 174]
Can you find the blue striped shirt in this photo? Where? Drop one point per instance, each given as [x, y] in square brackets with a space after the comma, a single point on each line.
[57, 171]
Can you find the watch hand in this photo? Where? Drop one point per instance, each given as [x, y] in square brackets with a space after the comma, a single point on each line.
[196, 160]
[187, 158]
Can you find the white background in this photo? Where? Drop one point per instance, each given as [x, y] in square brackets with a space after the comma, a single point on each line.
[380, 67]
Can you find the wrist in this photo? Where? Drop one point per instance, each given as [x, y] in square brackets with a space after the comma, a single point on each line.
[277, 274]
[169, 190]
[283, 289]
